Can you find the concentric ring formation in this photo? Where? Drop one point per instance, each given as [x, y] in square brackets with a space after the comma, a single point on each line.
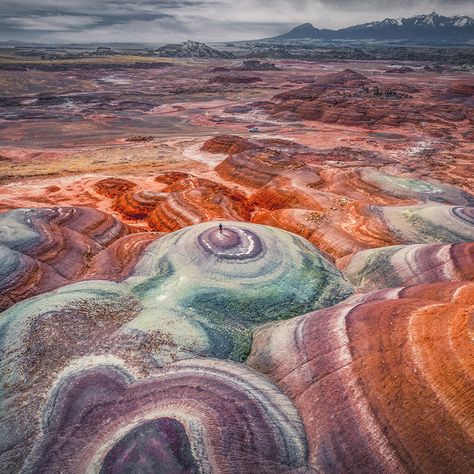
[206, 291]
[194, 416]
[231, 243]
[45, 248]
[248, 272]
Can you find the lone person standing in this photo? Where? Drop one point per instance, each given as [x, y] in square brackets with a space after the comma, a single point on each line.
[220, 228]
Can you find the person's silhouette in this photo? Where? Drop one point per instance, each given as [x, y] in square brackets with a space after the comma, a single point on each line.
[220, 228]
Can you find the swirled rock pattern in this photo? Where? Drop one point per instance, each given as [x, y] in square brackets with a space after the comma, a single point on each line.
[403, 187]
[196, 200]
[194, 416]
[117, 260]
[42, 249]
[197, 292]
[419, 224]
[256, 168]
[383, 382]
[139, 204]
[201, 280]
[406, 265]
[318, 229]
[290, 190]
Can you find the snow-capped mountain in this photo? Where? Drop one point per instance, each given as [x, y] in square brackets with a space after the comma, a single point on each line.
[432, 27]
[433, 20]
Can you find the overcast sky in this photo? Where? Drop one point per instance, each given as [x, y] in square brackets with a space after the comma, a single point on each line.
[204, 20]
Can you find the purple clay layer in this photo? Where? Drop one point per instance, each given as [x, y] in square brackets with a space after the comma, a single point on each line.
[464, 213]
[160, 445]
[233, 243]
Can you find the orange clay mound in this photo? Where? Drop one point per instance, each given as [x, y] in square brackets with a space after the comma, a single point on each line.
[198, 201]
[138, 204]
[113, 187]
[255, 168]
[172, 176]
[228, 144]
[383, 382]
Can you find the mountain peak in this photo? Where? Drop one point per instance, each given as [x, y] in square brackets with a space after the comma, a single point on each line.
[305, 27]
[431, 27]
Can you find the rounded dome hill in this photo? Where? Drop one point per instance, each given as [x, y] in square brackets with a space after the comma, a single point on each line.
[197, 294]
[206, 289]
[248, 272]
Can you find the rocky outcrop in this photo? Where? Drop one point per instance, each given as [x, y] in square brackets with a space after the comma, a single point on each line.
[255, 65]
[113, 187]
[192, 49]
[228, 144]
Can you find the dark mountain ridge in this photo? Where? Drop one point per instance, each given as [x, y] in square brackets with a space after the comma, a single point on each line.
[432, 27]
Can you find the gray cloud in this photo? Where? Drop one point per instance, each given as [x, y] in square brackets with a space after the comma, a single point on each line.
[53, 22]
[211, 20]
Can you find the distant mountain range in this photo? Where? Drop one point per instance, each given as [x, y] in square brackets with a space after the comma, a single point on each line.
[432, 27]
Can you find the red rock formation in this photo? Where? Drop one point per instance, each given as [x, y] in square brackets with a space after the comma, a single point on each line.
[255, 168]
[113, 187]
[350, 184]
[346, 98]
[347, 76]
[172, 176]
[236, 79]
[316, 227]
[187, 184]
[117, 260]
[228, 144]
[405, 265]
[282, 192]
[23, 276]
[199, 203]
[383, 382]
[138, 204]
